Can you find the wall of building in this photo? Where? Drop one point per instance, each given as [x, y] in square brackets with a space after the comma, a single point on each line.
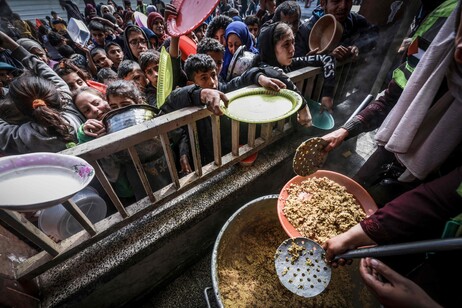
[30, 10]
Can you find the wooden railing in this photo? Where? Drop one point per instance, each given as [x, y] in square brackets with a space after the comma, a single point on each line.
[308, 81]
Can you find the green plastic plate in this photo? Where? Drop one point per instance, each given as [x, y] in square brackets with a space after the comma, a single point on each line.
[322, 120]
[258, 105]
[164, 78]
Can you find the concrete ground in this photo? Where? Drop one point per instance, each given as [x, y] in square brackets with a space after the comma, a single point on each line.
[188, 290]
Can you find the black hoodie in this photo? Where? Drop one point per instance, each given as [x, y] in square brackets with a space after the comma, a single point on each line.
[267, 57]
[128, 52]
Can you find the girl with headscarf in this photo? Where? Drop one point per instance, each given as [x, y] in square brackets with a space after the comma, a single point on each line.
[135, 41]
[276, 43]
[156, 23]
[236, 35]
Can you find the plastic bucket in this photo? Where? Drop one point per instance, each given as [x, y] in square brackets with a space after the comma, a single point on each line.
[57, 222]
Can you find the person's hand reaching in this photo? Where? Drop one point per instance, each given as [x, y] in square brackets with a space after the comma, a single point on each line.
[392, 289]
[271, 83]
[212, 98]
[94, 128]
[304, 117]
[335, 138]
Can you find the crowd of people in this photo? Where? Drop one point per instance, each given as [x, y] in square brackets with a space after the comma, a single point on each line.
[55, 93]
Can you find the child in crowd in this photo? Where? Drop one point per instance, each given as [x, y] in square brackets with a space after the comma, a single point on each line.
[100, 58]
[204, 89]
[216, 28]
[120, 169]
[253, 23]
[149, 63]
[213, 48]
[75, 78]
[236, 35]
[277, 47]
[106, 76]
[98, 34]
[156, 23]
[135, 42]
[200, 31]
[115, 53]
[131, 70]
[50, 120]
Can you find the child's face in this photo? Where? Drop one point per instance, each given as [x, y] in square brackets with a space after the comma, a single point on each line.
[118, 101]
[200, 32]
[233, 43]
[138, 77]
[101, 60]
[91, 106]
[151, 73]
[74, 81]
[207, 80]
[217, 58]
[138, 43]
[253, 29]
[115, 54]
[98, 36]
[220, 36]
[285, 49]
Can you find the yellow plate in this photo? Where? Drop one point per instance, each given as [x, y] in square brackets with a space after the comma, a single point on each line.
[259, 105]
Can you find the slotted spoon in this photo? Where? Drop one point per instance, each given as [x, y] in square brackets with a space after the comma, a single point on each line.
[302, 268]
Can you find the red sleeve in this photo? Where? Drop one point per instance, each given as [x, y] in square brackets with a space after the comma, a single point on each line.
[419, 214]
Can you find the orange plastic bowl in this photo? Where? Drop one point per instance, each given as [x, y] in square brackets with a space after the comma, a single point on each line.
[326, 34]
[361, 195]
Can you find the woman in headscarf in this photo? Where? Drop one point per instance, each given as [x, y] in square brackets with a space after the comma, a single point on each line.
[90, 12]
[156, 23]
[236, 35]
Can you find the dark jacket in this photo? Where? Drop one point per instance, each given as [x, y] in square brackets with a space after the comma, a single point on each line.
[190, 96]
[267, 57]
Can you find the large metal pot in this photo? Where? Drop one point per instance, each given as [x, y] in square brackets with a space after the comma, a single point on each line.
[243, 235]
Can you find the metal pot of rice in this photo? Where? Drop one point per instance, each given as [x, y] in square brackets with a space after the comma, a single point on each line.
[243, 270]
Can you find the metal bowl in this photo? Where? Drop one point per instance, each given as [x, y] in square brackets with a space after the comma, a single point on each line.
[128, 116]
[242, 60]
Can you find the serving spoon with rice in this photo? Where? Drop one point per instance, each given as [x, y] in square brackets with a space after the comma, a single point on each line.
[302, 268]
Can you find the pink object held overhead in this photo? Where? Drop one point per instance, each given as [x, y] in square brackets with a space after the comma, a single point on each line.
[191, 13]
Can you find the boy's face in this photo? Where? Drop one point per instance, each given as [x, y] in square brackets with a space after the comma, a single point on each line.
[200, 32]
[339, 8]
[207, 80]
[115, 54]
[118, 101]
[39, 53]
[101, 60]
[253, 29]
[74, 81]
[92, 106]
[217, 57]
[151, 73]
[220, 36]
[98, 36]
[138, 77]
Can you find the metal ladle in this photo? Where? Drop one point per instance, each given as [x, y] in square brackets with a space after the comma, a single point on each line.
[302, 268]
